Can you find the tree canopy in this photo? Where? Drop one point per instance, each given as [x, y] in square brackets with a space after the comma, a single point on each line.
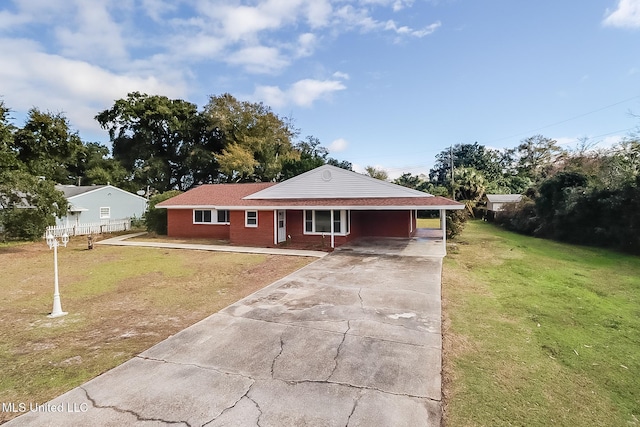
[29, 160]
[163, 143]
[256, 141]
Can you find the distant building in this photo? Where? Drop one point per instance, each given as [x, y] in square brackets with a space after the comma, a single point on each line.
[99, 203]
[496, 202]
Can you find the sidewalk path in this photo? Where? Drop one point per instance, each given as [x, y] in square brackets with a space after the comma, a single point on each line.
[122, 241]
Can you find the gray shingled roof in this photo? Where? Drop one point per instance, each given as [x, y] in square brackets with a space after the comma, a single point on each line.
[74, 190]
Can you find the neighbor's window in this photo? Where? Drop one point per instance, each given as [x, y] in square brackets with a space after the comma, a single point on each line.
[210, 216]
[105, 213]
[251, 218]
[316, 222]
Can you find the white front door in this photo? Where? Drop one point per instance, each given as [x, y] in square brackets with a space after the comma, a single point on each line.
[282, 226]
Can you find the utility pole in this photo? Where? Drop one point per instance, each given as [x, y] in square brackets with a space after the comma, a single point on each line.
[453, 191]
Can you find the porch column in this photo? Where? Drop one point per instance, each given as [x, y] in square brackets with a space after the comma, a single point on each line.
[333, 239]
[275, 227]
[443, 227]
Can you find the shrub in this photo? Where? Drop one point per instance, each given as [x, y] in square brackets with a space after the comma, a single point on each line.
[156, 219]
[456, 221]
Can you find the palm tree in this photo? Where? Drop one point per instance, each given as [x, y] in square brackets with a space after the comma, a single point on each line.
[469, 187]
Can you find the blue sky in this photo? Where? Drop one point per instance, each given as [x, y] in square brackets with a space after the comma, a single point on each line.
[388, 83]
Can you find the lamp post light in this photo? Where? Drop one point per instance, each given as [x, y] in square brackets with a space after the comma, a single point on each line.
[53, 244]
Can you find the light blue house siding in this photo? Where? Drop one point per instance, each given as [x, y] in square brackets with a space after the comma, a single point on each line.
[100, 203]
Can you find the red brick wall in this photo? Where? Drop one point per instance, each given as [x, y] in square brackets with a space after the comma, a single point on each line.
[381, 223]
[363, 223]
[261, 236]
[180, 224]
[295, 229]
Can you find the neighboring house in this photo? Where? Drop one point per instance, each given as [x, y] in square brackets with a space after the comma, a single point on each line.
[99, 203]
[325, 205]
[496, 202]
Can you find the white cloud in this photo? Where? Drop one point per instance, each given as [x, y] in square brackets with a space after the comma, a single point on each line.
[9, 20]
[157, 8]
[95, 35]
[404, 30]
[338, 145]
[302, 93]
[610, 141]
[305, 92]
[92, 52]
[360, 18]
[78, 88]
[258, 59]
[626, 15]
[306, 44]
[318, 13]
[340, 75]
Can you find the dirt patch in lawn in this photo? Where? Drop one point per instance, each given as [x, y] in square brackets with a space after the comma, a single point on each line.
[120, 300]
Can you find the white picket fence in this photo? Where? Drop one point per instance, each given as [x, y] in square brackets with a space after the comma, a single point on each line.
[91, 228]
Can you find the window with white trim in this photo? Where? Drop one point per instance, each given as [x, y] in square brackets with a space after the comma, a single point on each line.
[319, 222]
[210, 216]
[105, 212]
[250, 218]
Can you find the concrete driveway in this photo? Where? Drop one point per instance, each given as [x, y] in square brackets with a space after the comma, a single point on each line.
[352, 339]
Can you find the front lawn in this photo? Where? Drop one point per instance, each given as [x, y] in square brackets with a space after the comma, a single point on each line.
[121, 301]
[539, 333]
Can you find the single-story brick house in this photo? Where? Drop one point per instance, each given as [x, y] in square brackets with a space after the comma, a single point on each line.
[325, 205]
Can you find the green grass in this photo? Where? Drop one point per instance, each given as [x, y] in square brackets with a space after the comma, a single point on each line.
[539, 333]
[428, 223]
[120, 300]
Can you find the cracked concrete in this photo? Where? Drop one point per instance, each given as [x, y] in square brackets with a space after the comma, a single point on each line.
[352, 339]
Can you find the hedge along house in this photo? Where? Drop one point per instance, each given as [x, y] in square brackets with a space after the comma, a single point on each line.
[325, 206]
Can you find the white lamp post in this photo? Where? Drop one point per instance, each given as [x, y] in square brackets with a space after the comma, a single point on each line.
[53, 244]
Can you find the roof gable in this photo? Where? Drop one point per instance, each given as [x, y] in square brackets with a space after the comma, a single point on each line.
[330, 182]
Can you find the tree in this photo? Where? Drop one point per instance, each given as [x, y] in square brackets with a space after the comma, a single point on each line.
[417, 182]
[310, 155]
[8, 159]
[343, 164]
[376, 173]
[47, 147]
[469, 187]
[536, 156]
[96, 166]
[29, 204]
[256, 141]
[165, 143]
[156, 219]
[476, 156]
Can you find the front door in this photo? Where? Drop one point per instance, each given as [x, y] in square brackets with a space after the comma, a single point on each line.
[282, 226]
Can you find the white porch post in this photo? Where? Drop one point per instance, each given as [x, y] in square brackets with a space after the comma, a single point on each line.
[333, 239]
[443, 227]
[275, 227]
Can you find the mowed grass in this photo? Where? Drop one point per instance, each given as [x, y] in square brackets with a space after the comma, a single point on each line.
[120, 300]
[539, 333]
